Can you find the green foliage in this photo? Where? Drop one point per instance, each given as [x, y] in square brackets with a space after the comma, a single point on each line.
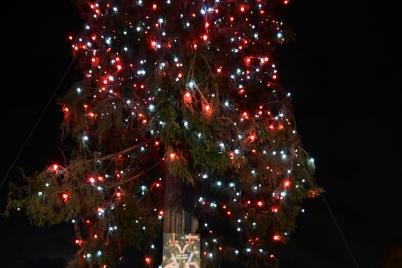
[131, 219]
[43, 200]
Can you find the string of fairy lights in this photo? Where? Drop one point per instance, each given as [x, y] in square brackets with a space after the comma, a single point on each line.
[123, 44]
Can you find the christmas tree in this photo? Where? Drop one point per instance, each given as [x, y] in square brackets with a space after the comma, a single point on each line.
[179, 126]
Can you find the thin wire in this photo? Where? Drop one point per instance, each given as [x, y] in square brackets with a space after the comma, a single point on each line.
[28, 138]
[331, 213]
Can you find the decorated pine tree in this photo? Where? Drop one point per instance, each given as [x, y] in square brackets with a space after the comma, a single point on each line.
[179, 127]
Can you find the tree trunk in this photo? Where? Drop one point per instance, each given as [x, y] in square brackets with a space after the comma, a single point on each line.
[178, 215]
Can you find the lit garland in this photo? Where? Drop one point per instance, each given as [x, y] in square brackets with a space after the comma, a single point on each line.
[189, 88]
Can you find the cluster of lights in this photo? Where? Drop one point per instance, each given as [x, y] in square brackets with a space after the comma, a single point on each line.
[239, 36]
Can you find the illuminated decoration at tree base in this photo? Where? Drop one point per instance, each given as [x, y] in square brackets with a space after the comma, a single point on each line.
[181, 251]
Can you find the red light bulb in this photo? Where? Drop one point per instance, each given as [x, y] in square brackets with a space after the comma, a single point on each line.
[277, 237]
[207, 110]
[65, 197]
[187, 97]
[148, 260]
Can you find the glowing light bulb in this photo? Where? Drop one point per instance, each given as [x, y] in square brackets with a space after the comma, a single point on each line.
[187, 97]
[65, 197]
[277, 237]
[55, 167]
[207, 109]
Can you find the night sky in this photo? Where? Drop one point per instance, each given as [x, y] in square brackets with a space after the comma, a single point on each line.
[345, 73]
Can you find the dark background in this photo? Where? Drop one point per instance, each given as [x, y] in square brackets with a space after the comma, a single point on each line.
[345, 74]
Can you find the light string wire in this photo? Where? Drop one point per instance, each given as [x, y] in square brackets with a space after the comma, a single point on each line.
[341, 234]
[35, 126]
